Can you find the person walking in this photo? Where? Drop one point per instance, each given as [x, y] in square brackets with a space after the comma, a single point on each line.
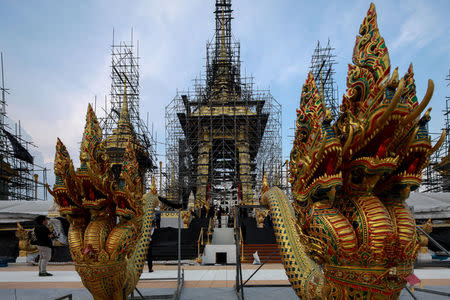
[43, 243]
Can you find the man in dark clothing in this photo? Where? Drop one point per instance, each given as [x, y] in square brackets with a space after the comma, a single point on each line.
[219, 216]
[268, 221]
[203, 212]
[44, 244]
[158, 219]
[211, 212]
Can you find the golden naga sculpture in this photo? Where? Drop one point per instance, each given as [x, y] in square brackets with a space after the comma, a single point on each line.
[25, 246]
[186, 217]
[110, 218]
[349, 234]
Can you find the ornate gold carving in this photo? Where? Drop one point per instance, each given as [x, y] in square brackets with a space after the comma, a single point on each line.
[25, 247]
[348, 233]
[109, 255]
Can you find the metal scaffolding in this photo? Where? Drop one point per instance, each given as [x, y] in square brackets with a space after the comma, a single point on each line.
[322, 68]
[437, 174]
[223, 134]
[125, 85]
[20, 178]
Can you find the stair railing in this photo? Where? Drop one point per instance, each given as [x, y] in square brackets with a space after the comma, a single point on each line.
[241, 242]
[210, 230]
[447, 253]
[200, 242]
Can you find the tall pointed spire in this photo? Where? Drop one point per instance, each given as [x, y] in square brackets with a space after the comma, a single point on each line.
[124, 131]
[223, 55]
[124, 118]
[222, 83]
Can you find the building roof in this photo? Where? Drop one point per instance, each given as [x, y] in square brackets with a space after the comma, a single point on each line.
[430, 205]
[22, 211]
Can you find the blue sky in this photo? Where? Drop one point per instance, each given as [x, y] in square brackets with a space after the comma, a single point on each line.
[57, 53]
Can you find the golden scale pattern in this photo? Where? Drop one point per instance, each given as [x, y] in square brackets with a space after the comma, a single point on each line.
[109, 256]
[348, 234]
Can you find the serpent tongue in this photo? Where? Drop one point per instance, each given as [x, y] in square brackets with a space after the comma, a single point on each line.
[88, 249]
[122, 204]
[65, 202]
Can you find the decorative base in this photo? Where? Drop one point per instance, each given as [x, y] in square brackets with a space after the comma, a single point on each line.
[21, 259]
[29, 258]
[424, 257]
[226, 252]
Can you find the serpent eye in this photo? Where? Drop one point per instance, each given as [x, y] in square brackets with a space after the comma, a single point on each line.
[303, 135]
[301, 118]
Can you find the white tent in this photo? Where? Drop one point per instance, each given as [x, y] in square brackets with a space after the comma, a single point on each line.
[424, 206]
[430, 205]
[21, 211]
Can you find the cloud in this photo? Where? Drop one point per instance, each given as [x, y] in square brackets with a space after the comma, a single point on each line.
[421, 27]
[54, 70]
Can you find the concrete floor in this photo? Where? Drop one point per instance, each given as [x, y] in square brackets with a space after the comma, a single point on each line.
[201, 282]
[219, 293]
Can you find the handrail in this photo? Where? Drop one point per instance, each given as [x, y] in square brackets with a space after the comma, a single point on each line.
[68, 296]
[433, 241]
[201, 242]
[241, 242]
[207, 232]
[432, 292]
[210, 229]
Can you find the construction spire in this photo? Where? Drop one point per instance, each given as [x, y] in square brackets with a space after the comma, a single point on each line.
[122, 121]
[222, 135]
[124, 118]
[223, 83]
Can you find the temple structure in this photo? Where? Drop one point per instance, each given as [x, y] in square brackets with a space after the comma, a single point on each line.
[116, 143]
[222, 135]
[122, 121]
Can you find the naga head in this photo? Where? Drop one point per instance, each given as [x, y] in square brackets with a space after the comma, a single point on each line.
[380, 145]
[95, 175]
[411, 142]
[128, 197]
[379, 112]
[66, 190]
[316, 153]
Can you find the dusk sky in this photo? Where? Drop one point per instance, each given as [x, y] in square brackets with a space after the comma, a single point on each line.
[57, 54]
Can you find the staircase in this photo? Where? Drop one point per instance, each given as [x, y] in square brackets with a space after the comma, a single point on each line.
[165, 241]
[264, 252]
[223, 236]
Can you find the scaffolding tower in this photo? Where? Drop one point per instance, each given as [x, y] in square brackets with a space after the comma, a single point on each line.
[222, 134]
[322, 68]
[20, 177]
[439, 169]
[125, 89]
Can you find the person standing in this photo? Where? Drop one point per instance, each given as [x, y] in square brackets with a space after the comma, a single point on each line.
[149, 251]
[158, 219]
[203, 212]
[43, 243]
[219, 217]
[268, 221]
[211, 212]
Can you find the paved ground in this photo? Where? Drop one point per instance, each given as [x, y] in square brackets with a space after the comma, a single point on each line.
[201, 282]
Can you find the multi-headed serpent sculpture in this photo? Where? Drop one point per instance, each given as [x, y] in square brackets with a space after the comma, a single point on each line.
[348, 233]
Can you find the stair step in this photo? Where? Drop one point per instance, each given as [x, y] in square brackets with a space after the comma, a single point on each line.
[263, 261]
[268, 253]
